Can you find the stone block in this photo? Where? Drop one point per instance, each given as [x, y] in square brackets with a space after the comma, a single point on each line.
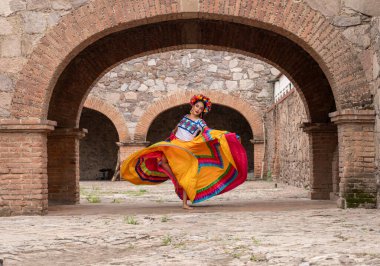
[134, 85]
[217, 85]
[5, 8]
[231, 85]
[252, 74]
[17, 5]
[258, 67]
[11, 46]
[37, 4]
[358, 35]
[326, 7]
[152, 62]
[247, 84]
[61, 5]
[264, 93]
[6, 83]
[5, 103]
[212, 68]
[5, 27]
[274, 71]
[169, 80]
[12, 65]
[233, 63]
[130, 95]
[53, 19]
[150, 82]
[34, 22]
[78, 3]
[367, 7]
[236, 69]
[29, 42]
[237, 76]
[342, 21]
[142, 87]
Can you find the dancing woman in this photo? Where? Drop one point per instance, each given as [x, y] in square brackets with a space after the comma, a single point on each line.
[201, 162]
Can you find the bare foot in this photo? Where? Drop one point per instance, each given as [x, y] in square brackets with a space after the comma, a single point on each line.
[187, 207]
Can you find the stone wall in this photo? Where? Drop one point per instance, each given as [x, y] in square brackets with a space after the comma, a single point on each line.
[22, 24]
[287, 147]
[134, 85]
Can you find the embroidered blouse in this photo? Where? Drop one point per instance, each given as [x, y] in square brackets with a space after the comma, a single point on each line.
[189, 129]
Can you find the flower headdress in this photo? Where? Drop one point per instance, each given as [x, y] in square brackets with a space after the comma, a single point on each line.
[206, 101]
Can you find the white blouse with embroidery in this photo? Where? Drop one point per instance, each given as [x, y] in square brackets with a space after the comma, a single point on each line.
[189, 129]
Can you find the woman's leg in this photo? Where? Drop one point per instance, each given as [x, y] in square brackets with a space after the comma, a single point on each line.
[184, 201]
[166, 166]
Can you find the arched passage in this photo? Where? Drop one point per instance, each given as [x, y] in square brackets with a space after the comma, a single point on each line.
[112, 113]
[98, 150]
[288, 34]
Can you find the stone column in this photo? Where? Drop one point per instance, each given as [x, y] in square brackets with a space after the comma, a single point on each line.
[63, 165]
[258, 157]
[323, 142]
[127, 148]
[356, 158]
[23, 166]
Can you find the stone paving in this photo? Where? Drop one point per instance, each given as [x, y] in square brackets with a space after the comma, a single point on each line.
[256, 224]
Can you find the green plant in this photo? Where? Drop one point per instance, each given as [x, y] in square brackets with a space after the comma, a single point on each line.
[164, 219]
[255, 241]
[258, 257]
[135, 193]
[179, 245]
[130, 220]
[167, 240]
[92, 198]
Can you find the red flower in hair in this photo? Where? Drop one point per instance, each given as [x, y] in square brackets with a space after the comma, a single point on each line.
[206, 101]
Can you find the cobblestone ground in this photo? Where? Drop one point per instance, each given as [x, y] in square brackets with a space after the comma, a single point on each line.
[256, 224]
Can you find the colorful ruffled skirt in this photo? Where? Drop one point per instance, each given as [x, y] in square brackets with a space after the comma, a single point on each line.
[212, 163]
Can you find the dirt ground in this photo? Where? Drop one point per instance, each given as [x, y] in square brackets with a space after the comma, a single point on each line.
[256, 224]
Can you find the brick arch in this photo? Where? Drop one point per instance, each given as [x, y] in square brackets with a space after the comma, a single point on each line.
[324, 65]
[112, 113]
[179, 98]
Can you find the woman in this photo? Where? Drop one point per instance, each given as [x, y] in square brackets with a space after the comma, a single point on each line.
[201, 162]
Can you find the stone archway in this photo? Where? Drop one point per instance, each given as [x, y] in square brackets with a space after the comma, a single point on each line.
[288, 34]
[112, 113]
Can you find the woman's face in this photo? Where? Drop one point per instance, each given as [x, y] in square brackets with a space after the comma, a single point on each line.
[198, 108]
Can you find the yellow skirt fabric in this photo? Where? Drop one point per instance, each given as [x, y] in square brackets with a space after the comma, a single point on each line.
[212, 163]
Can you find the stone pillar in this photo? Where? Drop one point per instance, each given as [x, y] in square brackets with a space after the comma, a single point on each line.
[127, 148]
[357, 186]
[258, 157]
[63, 165]
[323, 141]
[23, 166]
